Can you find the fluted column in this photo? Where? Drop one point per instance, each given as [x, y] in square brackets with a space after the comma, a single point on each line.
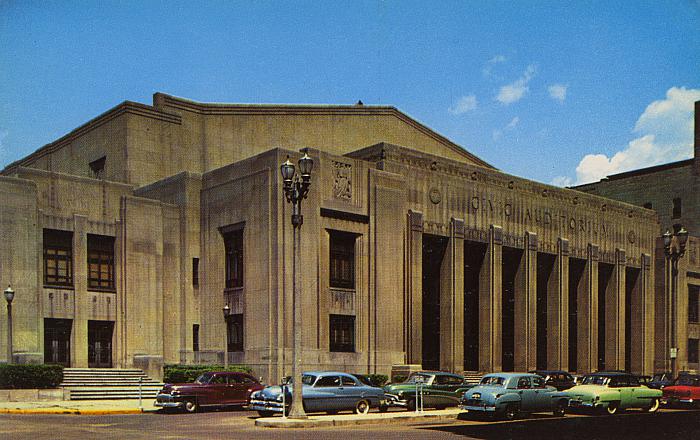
[490, 285]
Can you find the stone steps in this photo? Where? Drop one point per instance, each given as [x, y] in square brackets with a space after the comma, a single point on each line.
[108, 384]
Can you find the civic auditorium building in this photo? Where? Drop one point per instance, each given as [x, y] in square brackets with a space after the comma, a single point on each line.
[124, 240]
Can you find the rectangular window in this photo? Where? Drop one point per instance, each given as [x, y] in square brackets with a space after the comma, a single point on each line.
[342, 259]
[195, 337]
[58, 258]
[234, 332]
[677, 208]
[693, 303]
[195, 272]
[233, 242]
[692, 351]
[342, 333]
[100, 249]
[648, 205]
[98, 167]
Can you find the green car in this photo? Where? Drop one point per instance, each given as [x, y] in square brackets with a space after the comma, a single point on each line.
[610, 392]
[439, 390]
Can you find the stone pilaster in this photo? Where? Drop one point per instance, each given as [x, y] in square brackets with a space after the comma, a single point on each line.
[526, 307]
[558, 310]
[79, 335]
[452, 301]
[490, 299]
[414, 289]
[615, 315]
[642, 321]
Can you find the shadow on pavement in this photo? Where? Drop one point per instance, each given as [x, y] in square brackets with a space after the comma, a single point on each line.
[639, 426]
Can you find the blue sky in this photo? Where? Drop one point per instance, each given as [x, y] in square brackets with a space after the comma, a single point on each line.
[559, 92]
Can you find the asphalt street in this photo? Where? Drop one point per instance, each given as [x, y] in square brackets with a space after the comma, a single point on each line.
[664, 425]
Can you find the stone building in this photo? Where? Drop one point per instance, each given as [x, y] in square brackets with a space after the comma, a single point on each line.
[125, 238]
[673, 191]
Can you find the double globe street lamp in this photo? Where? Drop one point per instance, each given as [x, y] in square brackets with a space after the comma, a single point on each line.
[674, 248]
[296, 187]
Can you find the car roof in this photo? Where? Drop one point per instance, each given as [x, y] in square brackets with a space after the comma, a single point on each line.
[327, 373]
[610, 373]
[550, 372]
[513, 374]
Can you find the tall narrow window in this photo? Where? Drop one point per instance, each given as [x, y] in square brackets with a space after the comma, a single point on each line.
[195, 337]
[98, 167]
[58, 258]
[693, 303]
[342, 259]
[234, 330]
[100, 262]
[693, 351]
[195, 272]
[233, 241]
[342, 333]
[677, 208]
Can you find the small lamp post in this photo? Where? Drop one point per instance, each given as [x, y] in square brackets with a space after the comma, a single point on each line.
[674, 248]
[296, 188]
[9, 296]
[227, 313]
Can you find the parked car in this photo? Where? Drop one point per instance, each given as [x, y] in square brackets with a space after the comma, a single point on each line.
[328, 391]
[210, 389]
[644, 380]
[509, 394]
[611, 392]
[660, 380]
[439, 390]
[561, 380]
[685, 391]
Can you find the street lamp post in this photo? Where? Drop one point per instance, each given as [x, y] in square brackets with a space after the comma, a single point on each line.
[227, 313]
[9, 296]
[296, 188]
[674, 248]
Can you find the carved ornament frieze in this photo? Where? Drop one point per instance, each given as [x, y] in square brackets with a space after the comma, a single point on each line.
[342, 180]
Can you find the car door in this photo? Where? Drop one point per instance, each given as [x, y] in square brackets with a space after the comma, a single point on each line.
[526, 393]
[349, 393]
[215, 391]
[235, 392]
[542, 395]
[324, 396]
[622, 385]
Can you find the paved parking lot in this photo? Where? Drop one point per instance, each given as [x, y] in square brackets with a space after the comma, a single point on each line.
[667, 424]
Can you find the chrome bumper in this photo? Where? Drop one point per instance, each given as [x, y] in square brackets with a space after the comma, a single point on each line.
[473, 408]
[393, 400]
[575, 403]
[167, 401]
[265, 405]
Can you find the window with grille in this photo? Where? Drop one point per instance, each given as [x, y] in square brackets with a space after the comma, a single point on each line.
[234, 330]
[693, 351]
[58, 258]
[233, 242]
[195, 337]
[677, 208]
[342, 333]
[100, 262]
[342, 259]
[693, 303]
[195, 272]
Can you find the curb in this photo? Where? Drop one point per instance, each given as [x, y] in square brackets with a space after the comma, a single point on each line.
[326, 421]
[72, 411]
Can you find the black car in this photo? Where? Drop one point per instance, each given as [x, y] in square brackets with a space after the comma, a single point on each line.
[561, 380]
[660, 380]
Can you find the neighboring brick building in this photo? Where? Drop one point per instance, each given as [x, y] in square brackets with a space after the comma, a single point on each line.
[673, 191]
[125, 238]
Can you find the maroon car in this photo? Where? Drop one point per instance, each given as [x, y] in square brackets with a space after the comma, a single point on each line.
[684, 391]
[217, 388]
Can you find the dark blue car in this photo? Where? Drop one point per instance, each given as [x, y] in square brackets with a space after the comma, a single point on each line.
[322, 391]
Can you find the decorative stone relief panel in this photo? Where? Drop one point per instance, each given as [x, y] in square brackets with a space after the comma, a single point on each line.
[342, 301]
[234, 299]
[342, 180]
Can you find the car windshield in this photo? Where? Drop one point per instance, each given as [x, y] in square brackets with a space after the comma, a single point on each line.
[689, 381]
[493, 380]
[412, 378]
[203, 379]
[595, 380]
[659, 377]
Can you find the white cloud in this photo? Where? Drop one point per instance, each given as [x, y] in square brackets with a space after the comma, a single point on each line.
[515, 91]
[513, 122]
[464, 104]
[666, 135]
[498, 134]
[562, 181]
[558, 92]
[497, 59]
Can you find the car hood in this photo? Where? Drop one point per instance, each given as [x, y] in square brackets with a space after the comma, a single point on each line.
[585, 390]
[179, 386]
[396, 388]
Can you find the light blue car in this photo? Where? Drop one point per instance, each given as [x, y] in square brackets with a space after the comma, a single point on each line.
[322, 391]
[509, 394]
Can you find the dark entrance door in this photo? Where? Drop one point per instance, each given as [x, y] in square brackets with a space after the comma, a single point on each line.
[100, 344]
[433, 252]
[57, 341]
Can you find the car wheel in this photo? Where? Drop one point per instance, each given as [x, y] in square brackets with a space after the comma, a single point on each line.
[612, 408]
[383, 408]
[653, 407]
[560, 409]
[266, 413]
[511, 412]
[411, 405]
[362, 407]
[191, 406]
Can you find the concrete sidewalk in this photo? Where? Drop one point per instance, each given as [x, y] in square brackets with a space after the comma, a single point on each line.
[428, 416]
[85, 407]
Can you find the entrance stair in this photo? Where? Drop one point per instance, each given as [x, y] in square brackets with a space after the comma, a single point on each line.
[472, 377]
[108, 384]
